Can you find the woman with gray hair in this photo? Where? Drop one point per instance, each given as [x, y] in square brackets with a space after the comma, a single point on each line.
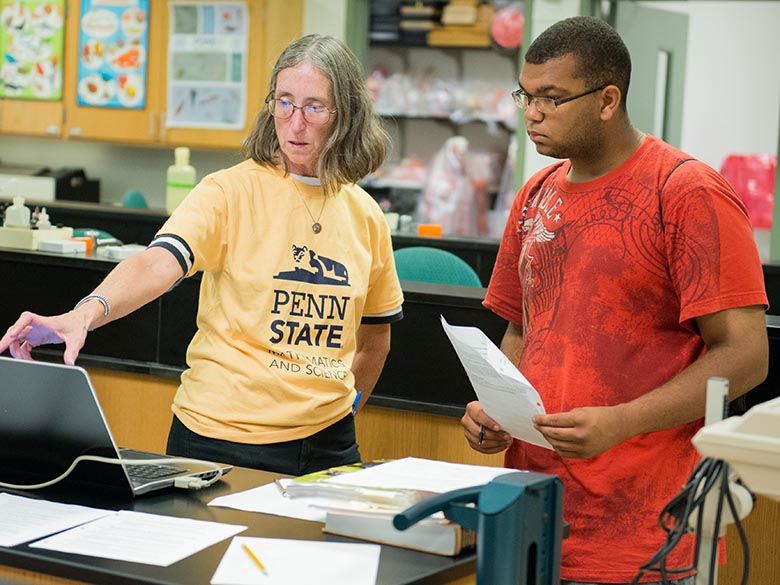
[299, 285]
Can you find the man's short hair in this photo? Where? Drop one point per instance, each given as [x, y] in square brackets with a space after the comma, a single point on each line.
[602, 57]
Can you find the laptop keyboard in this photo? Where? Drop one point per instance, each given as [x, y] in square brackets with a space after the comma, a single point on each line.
[147, 472]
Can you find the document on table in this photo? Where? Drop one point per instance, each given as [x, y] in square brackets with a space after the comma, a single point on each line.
[421, 474]
[285, 562]
[24, 519]
[506, 396]
[267, 499]
[137, 537]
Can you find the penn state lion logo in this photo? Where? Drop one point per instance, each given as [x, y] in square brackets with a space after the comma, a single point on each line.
[320, 269]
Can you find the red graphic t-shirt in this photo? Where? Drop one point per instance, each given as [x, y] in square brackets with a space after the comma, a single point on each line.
[607, 278]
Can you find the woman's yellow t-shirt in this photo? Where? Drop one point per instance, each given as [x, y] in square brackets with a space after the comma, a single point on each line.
[279, 305]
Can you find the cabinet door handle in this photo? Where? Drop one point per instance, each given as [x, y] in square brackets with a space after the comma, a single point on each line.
[53, 129]
[163, 129]
[152, 124]
[76, 131]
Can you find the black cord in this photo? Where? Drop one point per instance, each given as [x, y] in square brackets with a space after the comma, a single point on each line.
[673, 520]
[742, 537]
[724, 487]
[675, 517]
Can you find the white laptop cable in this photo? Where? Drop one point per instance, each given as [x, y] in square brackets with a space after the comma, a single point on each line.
[186, 482]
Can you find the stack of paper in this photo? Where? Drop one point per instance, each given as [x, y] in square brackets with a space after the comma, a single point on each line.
[124, 536]
[354, 519]
[410, 473]
[24, 519]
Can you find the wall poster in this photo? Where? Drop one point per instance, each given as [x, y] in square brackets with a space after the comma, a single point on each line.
[31, 39]
[207, 53]
[113, 44]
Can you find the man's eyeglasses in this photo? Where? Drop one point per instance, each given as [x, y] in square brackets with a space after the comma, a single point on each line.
[547, 105]
[315, 114]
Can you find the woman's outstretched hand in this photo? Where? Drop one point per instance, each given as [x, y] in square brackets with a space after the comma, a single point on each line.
[32, 330]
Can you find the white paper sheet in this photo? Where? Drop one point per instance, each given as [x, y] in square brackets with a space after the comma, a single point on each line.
[140, 538]
[267, 499]
[297, 562]
[506, 396]
[24, 519]
[421, 474]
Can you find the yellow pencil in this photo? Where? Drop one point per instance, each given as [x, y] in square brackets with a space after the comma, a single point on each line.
[257, 561]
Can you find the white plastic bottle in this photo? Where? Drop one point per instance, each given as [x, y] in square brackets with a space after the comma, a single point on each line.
[180, 179]
[17, 215]
[43, 222]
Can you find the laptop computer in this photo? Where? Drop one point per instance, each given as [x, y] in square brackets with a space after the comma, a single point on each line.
[49, 415]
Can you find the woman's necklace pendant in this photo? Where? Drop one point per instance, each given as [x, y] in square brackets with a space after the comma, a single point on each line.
[316, 227]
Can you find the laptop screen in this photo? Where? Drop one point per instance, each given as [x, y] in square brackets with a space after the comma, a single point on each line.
[49, 415]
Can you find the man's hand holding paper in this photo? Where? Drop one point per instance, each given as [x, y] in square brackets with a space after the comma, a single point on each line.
[505, 396]
[482, 432]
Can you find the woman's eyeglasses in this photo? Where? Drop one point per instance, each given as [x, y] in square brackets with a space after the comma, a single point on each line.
[315, 114]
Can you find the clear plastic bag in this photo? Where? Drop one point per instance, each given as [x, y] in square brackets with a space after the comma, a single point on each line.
[448, 197]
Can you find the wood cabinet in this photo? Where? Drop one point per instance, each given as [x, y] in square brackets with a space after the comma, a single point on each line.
[31, 118]
[113, 124]
[272, 25]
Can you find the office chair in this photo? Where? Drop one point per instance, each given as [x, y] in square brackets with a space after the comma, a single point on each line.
[134, 198]
[423, 264]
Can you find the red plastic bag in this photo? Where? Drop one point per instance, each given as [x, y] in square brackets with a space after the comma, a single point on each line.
[753, 178]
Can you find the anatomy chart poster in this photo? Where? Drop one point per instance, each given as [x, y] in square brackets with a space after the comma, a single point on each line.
[207, 54]
[31, 37]
[113, 46]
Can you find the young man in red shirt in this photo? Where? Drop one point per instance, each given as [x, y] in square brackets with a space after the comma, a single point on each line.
[629, 276]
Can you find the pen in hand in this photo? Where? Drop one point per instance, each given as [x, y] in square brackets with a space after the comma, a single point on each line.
[254, 558]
